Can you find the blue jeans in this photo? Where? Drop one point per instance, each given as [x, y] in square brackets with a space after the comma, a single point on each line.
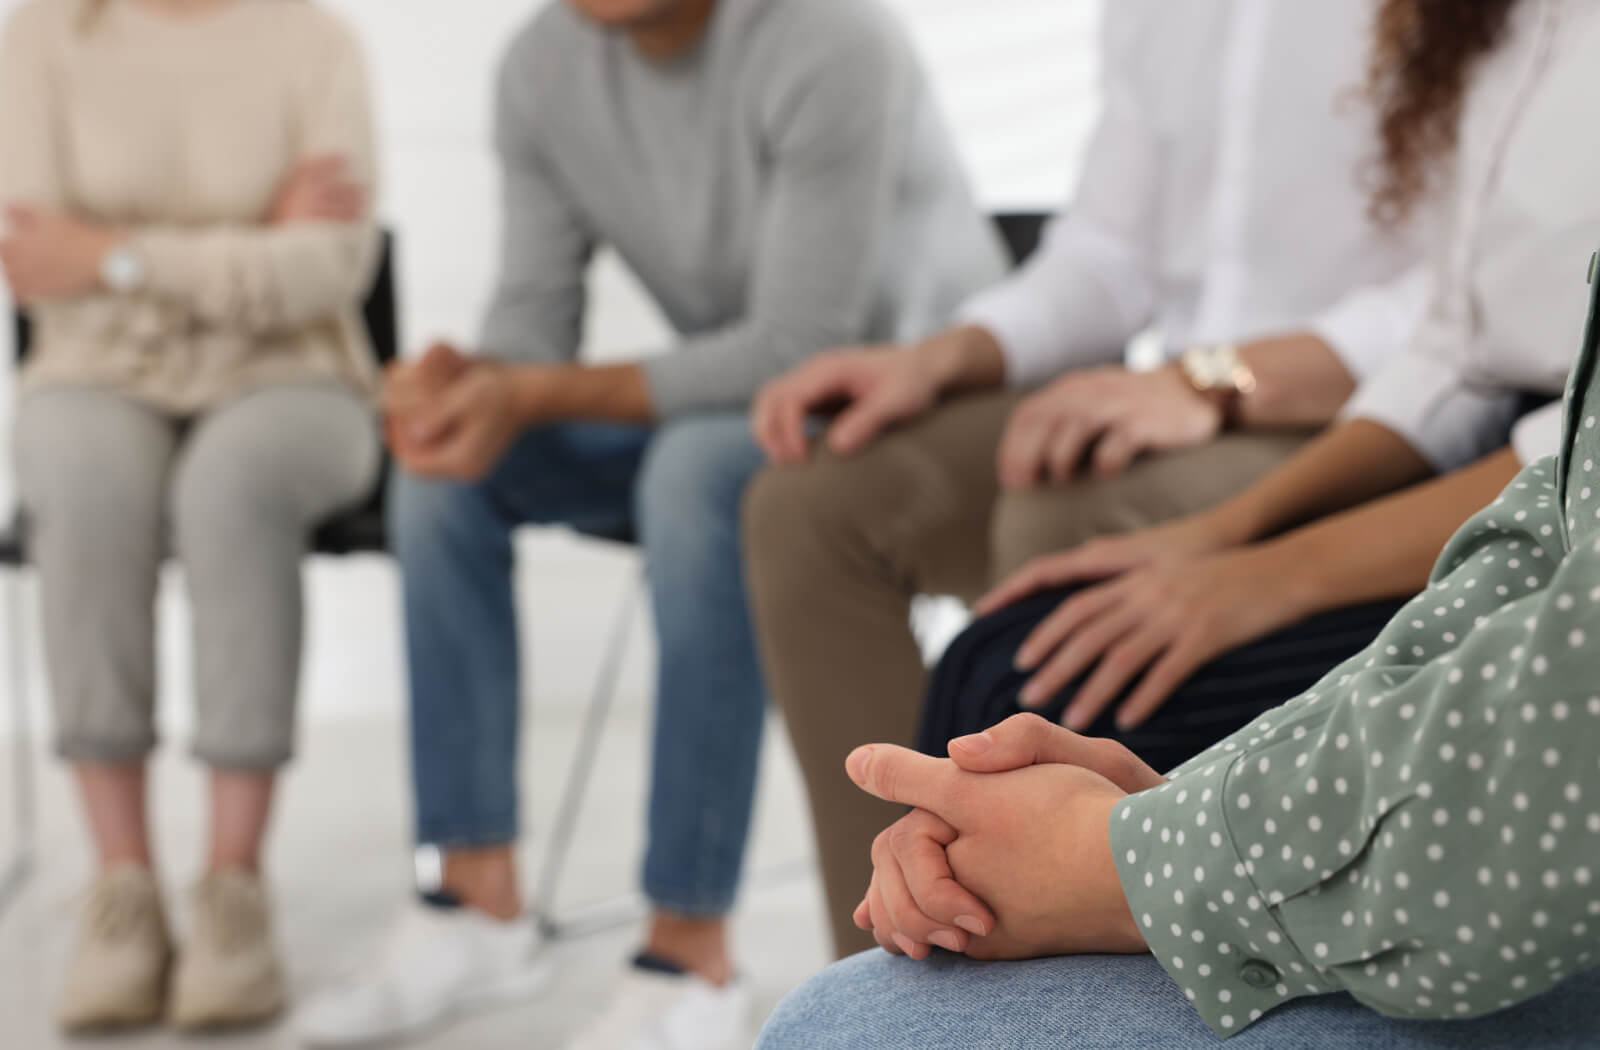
[1092, 1002]
[678, 488]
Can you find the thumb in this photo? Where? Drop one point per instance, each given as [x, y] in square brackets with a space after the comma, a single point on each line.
[896, 774]
[1028, 740]
[440, 364]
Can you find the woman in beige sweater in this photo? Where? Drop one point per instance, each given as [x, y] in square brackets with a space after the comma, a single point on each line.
[185, 185]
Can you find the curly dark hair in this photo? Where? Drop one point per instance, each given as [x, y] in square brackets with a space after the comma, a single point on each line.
[1422, 62]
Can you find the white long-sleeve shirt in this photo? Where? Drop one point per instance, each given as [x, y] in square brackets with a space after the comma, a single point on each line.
[1523, 216]
[1222, 198]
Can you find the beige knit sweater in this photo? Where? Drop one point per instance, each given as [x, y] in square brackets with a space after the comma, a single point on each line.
[181, 130]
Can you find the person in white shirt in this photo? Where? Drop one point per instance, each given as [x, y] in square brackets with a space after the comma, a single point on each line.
[1222, 204]
[1471, 398]
[1402, 856]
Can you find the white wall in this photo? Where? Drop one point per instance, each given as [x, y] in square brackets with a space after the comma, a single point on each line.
[1016, 78]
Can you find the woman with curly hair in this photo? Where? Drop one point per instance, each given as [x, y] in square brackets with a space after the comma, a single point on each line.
[1169, 638]
[185, 184]
[1403, 856]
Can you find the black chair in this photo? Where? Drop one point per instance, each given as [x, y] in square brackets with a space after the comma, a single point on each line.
[1022, 231]
[354, 532]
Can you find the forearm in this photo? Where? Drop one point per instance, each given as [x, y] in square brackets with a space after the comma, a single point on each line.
[1419, 776]
[1345, 467]
[1300, 382]
[615, 393]
[964, 358]
[258, 278]
[1387, 548]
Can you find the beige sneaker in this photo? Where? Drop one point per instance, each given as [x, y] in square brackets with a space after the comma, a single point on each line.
[117, 977]
[228, 974]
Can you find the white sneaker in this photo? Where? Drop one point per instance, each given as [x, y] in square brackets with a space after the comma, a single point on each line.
[657, 1011]
[438, 963]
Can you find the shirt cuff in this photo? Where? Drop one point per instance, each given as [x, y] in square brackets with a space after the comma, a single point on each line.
[165, 262]
[1449, 423]
[1359, 334]
[679, 385]
[1372, 326]
[1538, 434]
[1020, 329]
[1199, 909]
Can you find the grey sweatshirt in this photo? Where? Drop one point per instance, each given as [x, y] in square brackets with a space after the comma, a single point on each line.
[786, 186]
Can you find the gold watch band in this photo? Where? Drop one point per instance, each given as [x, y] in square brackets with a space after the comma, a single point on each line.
[1220, 372]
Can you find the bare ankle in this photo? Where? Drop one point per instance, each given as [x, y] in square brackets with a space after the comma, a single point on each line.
[484, 880]
[124, 860]
[700, 946]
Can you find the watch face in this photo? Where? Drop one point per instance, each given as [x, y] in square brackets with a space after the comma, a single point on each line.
[1205, 370]
[121, 271]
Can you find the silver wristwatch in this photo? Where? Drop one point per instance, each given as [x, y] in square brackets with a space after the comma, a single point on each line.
[121, 270]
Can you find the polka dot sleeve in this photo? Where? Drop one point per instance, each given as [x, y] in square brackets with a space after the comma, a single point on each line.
[1422, 829]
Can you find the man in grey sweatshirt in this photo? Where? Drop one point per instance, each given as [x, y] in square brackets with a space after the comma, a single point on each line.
[777, 174]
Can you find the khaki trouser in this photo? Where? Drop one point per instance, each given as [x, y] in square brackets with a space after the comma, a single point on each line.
[838, 548]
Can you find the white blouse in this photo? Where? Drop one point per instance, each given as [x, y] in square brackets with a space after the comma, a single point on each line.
[1523, 206]
[1222, 197]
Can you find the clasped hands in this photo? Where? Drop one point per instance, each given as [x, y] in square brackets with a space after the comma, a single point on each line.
[450, 416]
[1007, 853]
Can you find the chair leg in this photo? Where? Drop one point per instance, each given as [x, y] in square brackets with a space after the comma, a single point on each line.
[621, 910]
[579, 775]
[14, 876]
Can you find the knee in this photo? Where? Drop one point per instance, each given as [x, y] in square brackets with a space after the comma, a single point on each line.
[836, 1010]
[228, 510]
[797, 517]
[427, 517]
[692, 481]
[1028, 525]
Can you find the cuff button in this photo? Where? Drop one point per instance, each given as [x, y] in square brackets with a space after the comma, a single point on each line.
[1258, 974]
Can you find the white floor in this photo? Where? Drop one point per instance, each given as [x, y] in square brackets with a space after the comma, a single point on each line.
[340, 867]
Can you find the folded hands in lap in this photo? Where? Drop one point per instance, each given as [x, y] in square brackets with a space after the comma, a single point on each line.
[451, 416]
[1007, 854]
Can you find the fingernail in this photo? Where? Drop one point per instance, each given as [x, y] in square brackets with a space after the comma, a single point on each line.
[1077, 721]
[856, 765]
[946, 940]
[906, 944]
[1023, 662]
[972, 925]
[976, 744]
[1029, 697]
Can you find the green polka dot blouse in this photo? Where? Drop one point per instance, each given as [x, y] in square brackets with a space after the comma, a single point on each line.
[1422, 828]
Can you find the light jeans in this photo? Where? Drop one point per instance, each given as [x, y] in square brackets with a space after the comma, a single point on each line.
[679, 487]
[875, 1001]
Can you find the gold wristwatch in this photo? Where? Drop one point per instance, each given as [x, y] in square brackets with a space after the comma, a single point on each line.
[1220, 373]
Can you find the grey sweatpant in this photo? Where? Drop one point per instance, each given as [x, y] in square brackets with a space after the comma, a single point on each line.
[111, 485]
